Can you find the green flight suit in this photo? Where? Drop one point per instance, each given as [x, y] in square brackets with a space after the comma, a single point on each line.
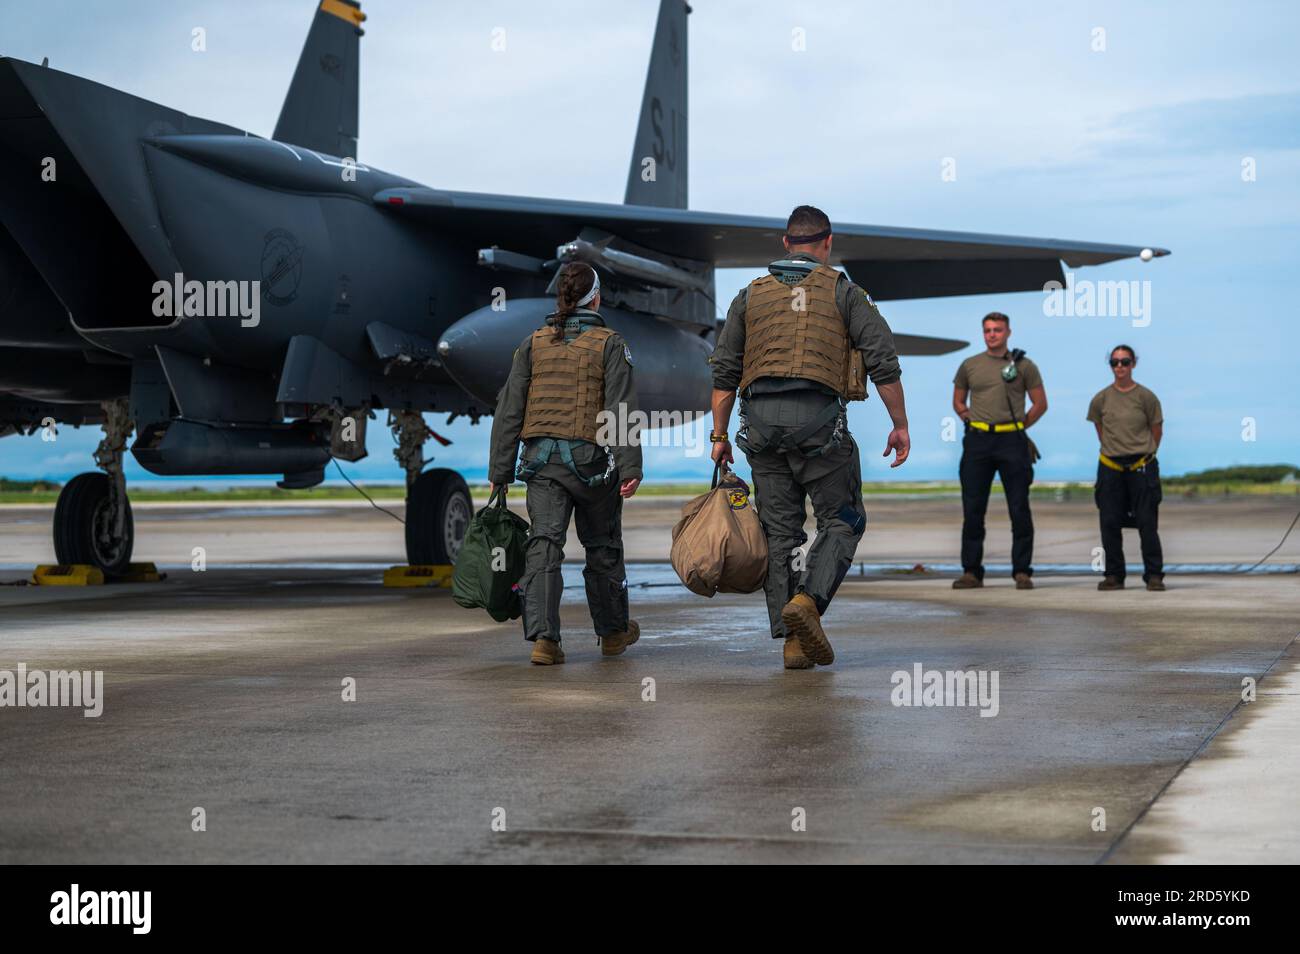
[791, 466]
[558, 491]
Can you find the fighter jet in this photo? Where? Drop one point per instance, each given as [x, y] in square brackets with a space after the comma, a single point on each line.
[245, 305]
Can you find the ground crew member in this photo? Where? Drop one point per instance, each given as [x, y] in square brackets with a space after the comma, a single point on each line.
[1129, 425]
[569, 378]
[989, 396]
[798, 343]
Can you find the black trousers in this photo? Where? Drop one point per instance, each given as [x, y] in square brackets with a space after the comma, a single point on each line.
[985, 453]
[1130, 498]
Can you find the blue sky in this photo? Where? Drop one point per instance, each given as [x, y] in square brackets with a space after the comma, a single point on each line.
[1142, 142]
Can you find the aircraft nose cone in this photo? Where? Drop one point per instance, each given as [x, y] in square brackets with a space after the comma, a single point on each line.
[468, 359]
[477, 350]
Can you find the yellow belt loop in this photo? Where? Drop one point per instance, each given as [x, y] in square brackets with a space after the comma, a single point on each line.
[997, 428]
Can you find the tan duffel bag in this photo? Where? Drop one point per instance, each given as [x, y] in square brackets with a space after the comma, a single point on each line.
[718, 545]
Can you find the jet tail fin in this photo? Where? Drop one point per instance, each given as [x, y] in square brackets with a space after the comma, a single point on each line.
[320, 111]
[657, 175]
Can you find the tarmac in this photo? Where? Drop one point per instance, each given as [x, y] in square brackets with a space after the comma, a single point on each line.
[1120, 732]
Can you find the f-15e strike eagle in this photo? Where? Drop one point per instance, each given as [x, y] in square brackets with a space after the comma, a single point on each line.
[131, 236]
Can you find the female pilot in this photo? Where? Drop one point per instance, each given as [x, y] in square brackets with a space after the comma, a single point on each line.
[569, 378]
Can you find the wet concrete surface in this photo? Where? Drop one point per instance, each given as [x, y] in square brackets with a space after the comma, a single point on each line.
[1237, 802]
[925, 530]
[224, 691]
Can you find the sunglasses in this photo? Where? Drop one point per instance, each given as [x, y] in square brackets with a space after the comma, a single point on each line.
[1120, 362]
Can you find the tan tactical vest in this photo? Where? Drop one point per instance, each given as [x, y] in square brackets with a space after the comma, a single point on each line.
[567, 390]
[797, 331]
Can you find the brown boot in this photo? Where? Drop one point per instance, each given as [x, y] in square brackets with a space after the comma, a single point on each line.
[547, 652]
[794, 657]
[967, 581]
[1024, 581]
[1156, 584]
[616, 643]
[803, 622]
[1111, 583]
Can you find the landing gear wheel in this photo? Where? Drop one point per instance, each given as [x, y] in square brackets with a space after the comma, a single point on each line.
[83, 526]
[438, 510]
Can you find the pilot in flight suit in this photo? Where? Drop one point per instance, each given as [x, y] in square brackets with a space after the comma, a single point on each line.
[566, 379]
[798, 344]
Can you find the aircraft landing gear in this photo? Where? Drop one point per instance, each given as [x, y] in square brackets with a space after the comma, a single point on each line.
[438, 505]
[92, 520]
[438, 510]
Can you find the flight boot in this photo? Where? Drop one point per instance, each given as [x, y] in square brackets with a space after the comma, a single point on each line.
[547, 652]
[794, 657]
[803, 622]
[616, 644]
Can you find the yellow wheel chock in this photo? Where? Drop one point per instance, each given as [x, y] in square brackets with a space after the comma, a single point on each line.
[68, 574]
[83, 574]
[427, 574]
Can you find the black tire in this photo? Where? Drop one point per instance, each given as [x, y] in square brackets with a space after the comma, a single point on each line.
[83, 503]
[438, 511]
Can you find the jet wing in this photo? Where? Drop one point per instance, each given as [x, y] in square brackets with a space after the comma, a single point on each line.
[926, 345]
[891, 263]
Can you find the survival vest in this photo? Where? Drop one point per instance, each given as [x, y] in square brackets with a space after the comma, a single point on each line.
[797, 331]
[567, 390]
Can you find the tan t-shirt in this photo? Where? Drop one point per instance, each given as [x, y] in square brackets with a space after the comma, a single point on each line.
[1126, 419]
[981, 374]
